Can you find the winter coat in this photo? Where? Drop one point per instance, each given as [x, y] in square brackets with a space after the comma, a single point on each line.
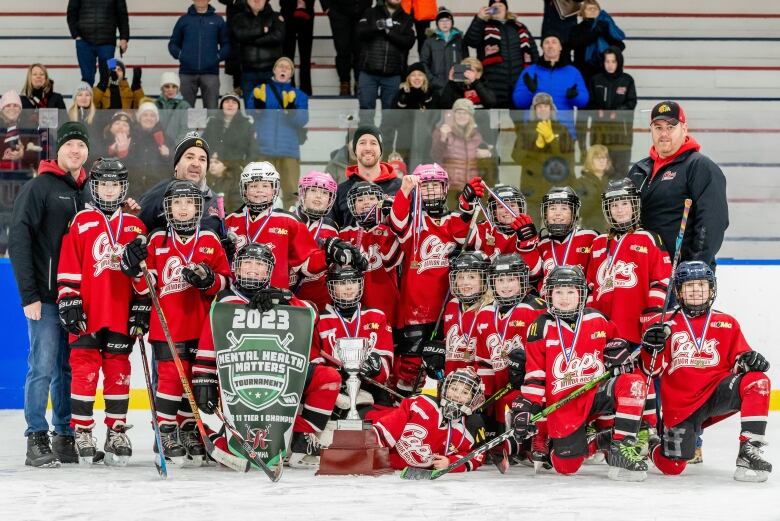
[153, 215]
[129, 99]
[146, 164]
[458, 155]
[589, 188]
[422, 10]
[44, 98]
[590, 38]
[552, 23]
[387, 181]
[479, 92]
[28, 138]
[260, 36]
[439, 55]
[199, 42]
[347, 7]
[505, 50]
[612, 104]
[96, 21]
[235, 144]
[384, 53]
[173, 117]
[279, 127]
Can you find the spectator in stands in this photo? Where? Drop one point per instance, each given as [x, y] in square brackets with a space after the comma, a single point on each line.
[544, 150]
[591, 37]
[150, 150]
[94, 24]
[83, 108]
[553, 22]
[113, 91]
[442, 49]
[231, 138]
[422, 12]
[280, 129]
[299, 28]
[38, 91]
[344, 16]
[596, 173]
[173, 115]
[19, 148]
[472, 87]
[504, 46]
[415, 92]
[553, 75]
[118, 135]
[404, 128]
[233, 61]
[612, 102]
[386, 33]
[200, 42]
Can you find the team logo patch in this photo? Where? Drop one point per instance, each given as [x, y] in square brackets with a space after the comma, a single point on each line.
[133, 229]
[621, 91]
[598, 334]
[371, 325]
[207, 250]
[668, 175]
[722, 325]
[278, 231]
[583, 249]
[664, 108]
[639, 249]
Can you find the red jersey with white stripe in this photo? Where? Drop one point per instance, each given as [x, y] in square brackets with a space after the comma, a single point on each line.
[699, 354]
[493, 242]
[383, 253]
[573, 250]
[561, 358]
[89, 267]
[313, 287]
[185, 307]
[627, 278]
[459, 335]
[367, 323]
[415, 431]
[289, 239]
[425, 268]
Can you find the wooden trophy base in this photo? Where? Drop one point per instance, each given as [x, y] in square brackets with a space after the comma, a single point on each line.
[354, 451]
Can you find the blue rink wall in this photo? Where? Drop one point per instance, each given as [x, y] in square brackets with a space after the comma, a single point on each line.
[747, 289]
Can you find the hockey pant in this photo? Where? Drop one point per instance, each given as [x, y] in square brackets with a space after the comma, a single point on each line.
[319, 397]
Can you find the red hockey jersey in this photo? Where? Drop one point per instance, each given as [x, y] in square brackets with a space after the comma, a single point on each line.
[415, 431]
[574, 250]
[89, 267]
[313, 287]
[627, 278]
[289, 239]
[459, 335]
[184, 306]
[560, 360]
[493, 242]
[699, 354]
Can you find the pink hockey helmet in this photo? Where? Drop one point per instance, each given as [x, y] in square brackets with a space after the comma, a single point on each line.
[323, 181]
[433, 200]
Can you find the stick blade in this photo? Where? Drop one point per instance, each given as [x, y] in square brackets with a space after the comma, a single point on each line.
[413, 473]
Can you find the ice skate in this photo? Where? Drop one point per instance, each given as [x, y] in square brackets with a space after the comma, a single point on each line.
[118, 447]
[305, 451]
[172, 449]
[193, 444]
[647, 437]
[625, 463]
[86, 446]
[39, 453]
[601, 441]
[751, 465]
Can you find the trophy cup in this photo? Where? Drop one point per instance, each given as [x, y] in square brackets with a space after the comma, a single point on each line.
[352, 353]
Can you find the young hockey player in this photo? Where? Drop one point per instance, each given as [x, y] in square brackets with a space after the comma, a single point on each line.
[95, 307]
[427, 432]
[188, 267]
[252, 269]
[568, 346]
[316, 194]
[708, 372]
[379, 246]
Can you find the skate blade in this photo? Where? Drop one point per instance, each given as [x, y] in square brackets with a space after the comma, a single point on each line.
[112, 460]
[750, 476]
[87, 460]
[193, 461]
[621, 474]
[302, 462]
[54, 464]
[596, 459]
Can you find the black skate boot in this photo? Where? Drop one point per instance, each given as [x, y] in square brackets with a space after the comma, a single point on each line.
[39, 453]
[86, 446]
[64, 446]
[751, 465]
[172, 449]
[625, 463]
[304, 451]
[193, 444]
[118, 447]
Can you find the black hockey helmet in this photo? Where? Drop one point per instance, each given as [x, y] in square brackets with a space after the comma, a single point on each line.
[471, 261]
[505, 266]
[560, 195]
[339, 276]
[246, 267]
[108, 170]
[690, 271]
[621, 190]
[361, 189]
[461, 393]
[178, 189]
[509, 194]
[565, 276]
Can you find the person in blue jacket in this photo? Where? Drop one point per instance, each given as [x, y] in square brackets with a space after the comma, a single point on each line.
[200, 41]
[280, 127]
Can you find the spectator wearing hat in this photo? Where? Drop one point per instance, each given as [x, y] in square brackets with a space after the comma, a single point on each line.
[402, 127]
[200, 42]
[422, 12]
[344, 16]
[38, 91]
[280, 130]
[150, 150]
[298, 18]
[674, 171]
[42, 211]
[442, 49]
[591, 37]
[83, 106]
[173, 108]
[367, 147]
[113, 91]
[504, 45]
[19, 150]
[473, 87]
[118, 135]
[94, 25]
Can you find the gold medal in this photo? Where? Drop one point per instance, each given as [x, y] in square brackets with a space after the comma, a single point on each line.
[608, 283]
[414, 265]
[490, 240]
[699, 363]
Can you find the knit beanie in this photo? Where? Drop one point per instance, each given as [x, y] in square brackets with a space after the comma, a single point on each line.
[72, 130]
[367, 129]
[10, 98]
[192, 139]
[147, 105]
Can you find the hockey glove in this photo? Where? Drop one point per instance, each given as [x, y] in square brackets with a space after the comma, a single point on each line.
[385, 208]
[339, 251]
[135, 253]
[516, 365]
[524, 227]
[372, 365]
[522, 411]
[200, 276]
[72, 315]
[571, 92]
[655, 337]
[752, 361]
[473, 191]
[204, 389]
[265, 299]
[229, 246]
[617, 357]
[433, 354]
[140, 312]
[530, 82]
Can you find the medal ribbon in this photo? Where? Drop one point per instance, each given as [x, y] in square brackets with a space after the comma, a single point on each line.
[186, 258]
[253, 238]
[566, 252]
[467, 336]
[113, 239]
[344, 322]
[496, 320]
[611, 258]
[698, 341]
[567, 353]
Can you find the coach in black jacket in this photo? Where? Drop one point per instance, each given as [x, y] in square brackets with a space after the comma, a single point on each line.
[675, 171]
[94, 24]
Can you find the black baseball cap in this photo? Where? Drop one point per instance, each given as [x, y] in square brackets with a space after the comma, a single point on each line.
[669, 111]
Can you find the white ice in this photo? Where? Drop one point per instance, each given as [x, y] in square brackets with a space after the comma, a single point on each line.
[704, 492]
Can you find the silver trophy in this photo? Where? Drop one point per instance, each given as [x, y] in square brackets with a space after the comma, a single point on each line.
[352, 353]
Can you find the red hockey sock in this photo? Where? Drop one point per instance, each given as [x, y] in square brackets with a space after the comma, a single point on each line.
[754, 390]
[319, 398]
[116, 387]
[629, 404]
[649, 416]
[85, 368]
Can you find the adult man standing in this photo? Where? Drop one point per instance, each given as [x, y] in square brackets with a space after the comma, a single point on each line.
[42, 212]
[675, 171]
[94, 24]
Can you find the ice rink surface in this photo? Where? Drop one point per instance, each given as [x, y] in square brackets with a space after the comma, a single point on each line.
[704, 492]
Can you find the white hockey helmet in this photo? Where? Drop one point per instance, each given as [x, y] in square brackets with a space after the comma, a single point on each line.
[259, 171]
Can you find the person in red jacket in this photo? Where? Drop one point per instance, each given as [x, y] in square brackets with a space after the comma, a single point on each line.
[708, 372]
[188, 267]
[96, 307]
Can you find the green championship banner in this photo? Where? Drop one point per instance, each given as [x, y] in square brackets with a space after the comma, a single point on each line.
[262, 360]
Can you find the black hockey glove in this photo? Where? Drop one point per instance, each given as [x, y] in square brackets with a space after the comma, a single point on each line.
[530, 82]
[617, 357]
[339, 251]
[140, 312]
[655, 337]
[204, 389]
[230, 248]
[135, 252]
[201, 276]
[72, 315]
[752, 361]
[516, 365]
[522, 411]
[372, 365]
[433, 355]
[385, 208]
[571, 92]
[267, 298]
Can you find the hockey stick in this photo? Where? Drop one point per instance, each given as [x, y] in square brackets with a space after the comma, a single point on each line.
[365, 378]
[220, 456]
[221, 213]
[494, 397]
[162, 467]
[273, 474]
[499, 200]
